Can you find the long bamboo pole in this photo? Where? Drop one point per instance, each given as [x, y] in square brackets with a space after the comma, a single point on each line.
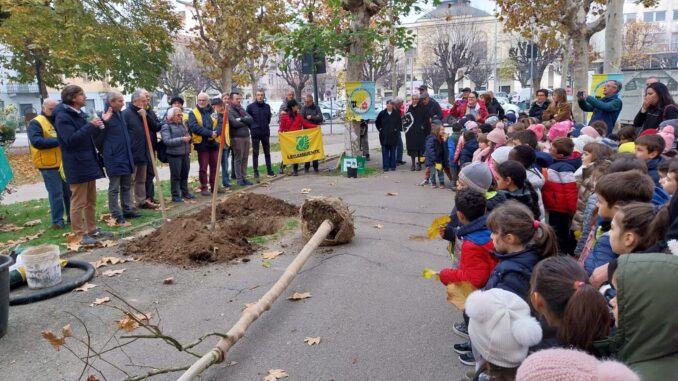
[224, 126]
[218, 353]
[155, 168]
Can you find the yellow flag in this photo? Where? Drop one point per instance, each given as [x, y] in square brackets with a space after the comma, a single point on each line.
[302, 146]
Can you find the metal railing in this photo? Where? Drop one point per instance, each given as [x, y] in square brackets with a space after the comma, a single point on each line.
[22, 88]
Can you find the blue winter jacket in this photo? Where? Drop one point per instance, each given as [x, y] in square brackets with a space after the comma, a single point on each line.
[544, 160]
[433, 151]
[466, 155]
[653, 169]
[78, 154]
[452, 147]
[116, 146]
[493, 200]
[660, 197]
[602, 252]
[513, 272]
[606, 109]
[261, 118]
[137, 135]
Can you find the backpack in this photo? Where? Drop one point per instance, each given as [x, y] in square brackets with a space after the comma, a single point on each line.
[161, 149]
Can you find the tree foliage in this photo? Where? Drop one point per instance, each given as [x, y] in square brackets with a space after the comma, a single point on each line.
[638, 46]
[125, 42]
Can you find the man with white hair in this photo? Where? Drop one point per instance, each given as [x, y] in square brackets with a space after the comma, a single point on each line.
[116, 150]
[204, 129]
[46, 156]
[133, 118]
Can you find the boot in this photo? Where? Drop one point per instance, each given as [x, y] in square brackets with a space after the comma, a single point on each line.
[418, 166]
[412, 168]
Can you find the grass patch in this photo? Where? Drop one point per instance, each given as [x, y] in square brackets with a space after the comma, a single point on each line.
[369, 171]
[290, 224]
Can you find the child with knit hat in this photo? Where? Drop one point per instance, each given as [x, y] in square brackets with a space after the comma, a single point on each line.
[502, 331]
[571, 365]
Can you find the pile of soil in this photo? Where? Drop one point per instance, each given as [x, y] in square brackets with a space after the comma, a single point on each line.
[320, 208]
[187, 241]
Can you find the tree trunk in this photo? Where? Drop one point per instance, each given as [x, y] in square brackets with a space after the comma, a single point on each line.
[613, 36]
[297, 91]
[226, 78]
[255, 85]
[565, 67]
[394, 72]
[580, 48]
[354, 62]
[450, 87]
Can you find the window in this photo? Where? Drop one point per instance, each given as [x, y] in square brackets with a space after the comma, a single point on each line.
[630, 17]
[90, 105]
[675, 15]
[660, 16]
[674, 41]
[648, 16]
[655, 16]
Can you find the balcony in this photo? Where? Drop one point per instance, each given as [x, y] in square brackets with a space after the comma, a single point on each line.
[14, 89]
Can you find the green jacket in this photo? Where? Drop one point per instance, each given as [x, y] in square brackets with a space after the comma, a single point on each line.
[647, 334]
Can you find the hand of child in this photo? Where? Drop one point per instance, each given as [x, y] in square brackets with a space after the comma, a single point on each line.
[441, 231]
[430, 274]
[599, 276]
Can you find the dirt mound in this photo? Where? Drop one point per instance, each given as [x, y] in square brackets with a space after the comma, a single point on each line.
[187, 240]
[318, 209]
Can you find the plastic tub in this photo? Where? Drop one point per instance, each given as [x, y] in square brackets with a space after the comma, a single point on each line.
[5, 262]
[42, 266]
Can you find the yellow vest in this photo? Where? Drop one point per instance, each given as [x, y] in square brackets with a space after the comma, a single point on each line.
[197, 139]
[50, 157]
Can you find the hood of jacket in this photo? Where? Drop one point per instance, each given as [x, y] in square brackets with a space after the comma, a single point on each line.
[570, 163]
[647, 327]
[527, 258]
[475, 231]
[535, 178]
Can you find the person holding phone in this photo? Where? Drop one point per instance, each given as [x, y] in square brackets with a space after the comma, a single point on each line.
[607, 108]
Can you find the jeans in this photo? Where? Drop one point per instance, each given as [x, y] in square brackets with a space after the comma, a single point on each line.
[241, 150]
[84, 201]
[388, 157]
[365, 145]
[179, 166]
[59, 195]
[266, 144]
[399, 149]
[207, 159]
[432, 176]
[150, 186]
[120, 187]
[225, 180]
[139, 180]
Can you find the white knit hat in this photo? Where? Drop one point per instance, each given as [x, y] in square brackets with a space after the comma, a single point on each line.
[500, 327]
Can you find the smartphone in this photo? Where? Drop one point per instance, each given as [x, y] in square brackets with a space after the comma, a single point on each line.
[580, 94]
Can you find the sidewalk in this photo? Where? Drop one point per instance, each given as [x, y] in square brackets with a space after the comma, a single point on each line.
[334, 145]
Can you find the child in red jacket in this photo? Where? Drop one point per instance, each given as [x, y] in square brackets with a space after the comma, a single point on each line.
[560, 191]
[475, 263]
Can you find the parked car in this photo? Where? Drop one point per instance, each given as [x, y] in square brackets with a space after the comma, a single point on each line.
[508, 106]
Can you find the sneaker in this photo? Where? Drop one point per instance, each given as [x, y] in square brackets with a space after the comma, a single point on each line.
[57, 226]
[470, 375]
[270, 174]
[100, 234]
[461, 329]
[205, 192]
[433, 186]
[316, 170]
[306, 170]
[425, 182]
[295, 173]
[241, 183]
[189, 196]
[87, 241]
[256, 174]
[462, 348]
[467, 359]
[120, 221]
[177, 199]
[132, 215]
[149, 205]
[442, 186]
[247, 182]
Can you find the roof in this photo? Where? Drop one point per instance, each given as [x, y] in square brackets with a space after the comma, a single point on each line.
[454, 8]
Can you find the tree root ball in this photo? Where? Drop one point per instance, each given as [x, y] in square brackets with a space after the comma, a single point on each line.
[318, 209]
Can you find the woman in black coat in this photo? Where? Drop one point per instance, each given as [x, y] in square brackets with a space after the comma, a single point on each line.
[657, 107]
[416, 134]
[389, 124]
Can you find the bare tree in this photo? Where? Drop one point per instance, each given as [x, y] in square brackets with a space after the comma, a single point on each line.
[531, 60]
[253, 68]
[480, 73]
[434, 77]
[182, 74]
[377, 64]
[454, 51]
[290, 71]
[386, 80]
[639, 46]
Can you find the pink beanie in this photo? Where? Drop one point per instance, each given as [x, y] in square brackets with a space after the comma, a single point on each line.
[499, 125]
[590, 131]
[538, 130]
[559, 130]
[571, 365]
[669, 137]
[471, 125]
[497, 136]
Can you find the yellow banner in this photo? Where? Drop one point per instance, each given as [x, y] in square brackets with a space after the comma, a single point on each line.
[302, 146]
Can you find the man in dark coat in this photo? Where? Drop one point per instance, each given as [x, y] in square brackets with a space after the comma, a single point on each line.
[494, 107]
[239, 121]
[80, 161]
[118, 160]
[261, 133]
[204, 129]
[389, 124]
[312, 113]
[416, 135]
[154, 126]
[133, 118]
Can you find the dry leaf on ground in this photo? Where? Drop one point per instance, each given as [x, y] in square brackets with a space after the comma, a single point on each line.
[4, 228]
[85, 287]
[275, 374]
[378, 226]
[418, 238]
[92, 377]
[169, 280]
[392, 193]
[305, 190]
[312, 340]
[127, 324]
[32, 223]
[112, 273]
[300, 295]
[271, 254]
[56, 342]
[100, 301]
[146, 316]
[67, 331]
[107, 243]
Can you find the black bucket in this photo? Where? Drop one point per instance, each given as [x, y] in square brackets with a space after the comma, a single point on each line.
[5, 262]
[352, 172]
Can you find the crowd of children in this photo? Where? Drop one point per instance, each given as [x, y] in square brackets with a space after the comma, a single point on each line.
[569, 238]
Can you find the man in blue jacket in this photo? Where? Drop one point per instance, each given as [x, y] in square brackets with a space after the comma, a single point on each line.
[260, 132]
[607, 108]
[118, 160]
[46, 156]
[80, 160]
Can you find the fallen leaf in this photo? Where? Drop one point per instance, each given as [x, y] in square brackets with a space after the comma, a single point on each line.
[56, 342]
[112, 273]
[85, 287]
[271, 254]
[67, 331]
[378, 226]
[305, 190]
[113, 260]
[275, 374]
[392, 193]
[100, 301]
[433, 230]
[9, 228]
[169, 280]
[127, 324]
[107, 243]
[97, 264]
[267, 264]
[73, 242]
[312, 340]
[32, 223]
[92, 377]
[141, 316]
[418, 238]
[300, 295]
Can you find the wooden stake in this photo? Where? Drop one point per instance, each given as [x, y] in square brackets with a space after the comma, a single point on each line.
[222, 139]
[155, 168]
[218, 353]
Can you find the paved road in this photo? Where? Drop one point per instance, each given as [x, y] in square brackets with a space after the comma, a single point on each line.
[377, 317]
